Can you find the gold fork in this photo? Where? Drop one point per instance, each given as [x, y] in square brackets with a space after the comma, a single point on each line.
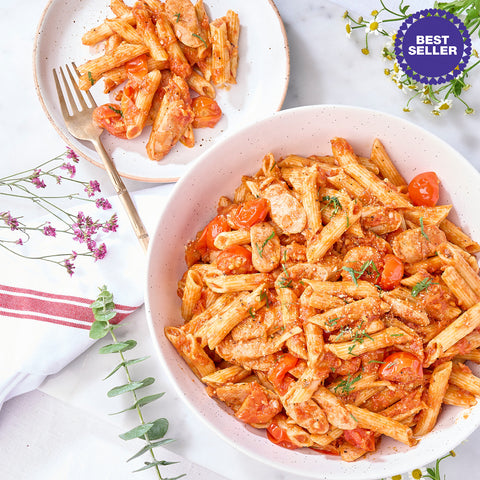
[80, 124]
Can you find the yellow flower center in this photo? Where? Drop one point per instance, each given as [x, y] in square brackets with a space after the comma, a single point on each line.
[365, 51]
[416, 474]
[373, 26]
[348, 28]
[444, 106]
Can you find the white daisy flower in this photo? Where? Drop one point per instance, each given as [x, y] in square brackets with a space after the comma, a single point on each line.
[417, 473]
[372, 27]
[444, 105]
[348, 29]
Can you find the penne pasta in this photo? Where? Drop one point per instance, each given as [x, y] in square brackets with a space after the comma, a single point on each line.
[310, 334]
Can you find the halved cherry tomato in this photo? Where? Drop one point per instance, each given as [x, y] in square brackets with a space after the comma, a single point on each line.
[235, 260]
[207, 112]
[210, 232]
[424, 189]
[279, 436]
[109, 117]
[392, 272]
[251, 212]
[401, 367]
[277, 373]
[361, 438]
[258, 407]
[137, 68]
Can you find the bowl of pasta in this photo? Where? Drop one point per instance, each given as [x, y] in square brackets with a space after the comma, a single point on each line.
[313, 292]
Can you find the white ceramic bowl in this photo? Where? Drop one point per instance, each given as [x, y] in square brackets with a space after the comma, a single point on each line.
[217, 172]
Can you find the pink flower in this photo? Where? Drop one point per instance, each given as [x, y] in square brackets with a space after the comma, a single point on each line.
[103, 203]
[19, 241]
[49, 231]
[71, 155]
[92, 187]
[68, 264]
[100, 252]
[36, 180]
[70, 168]
[111, 225]
[10, 221]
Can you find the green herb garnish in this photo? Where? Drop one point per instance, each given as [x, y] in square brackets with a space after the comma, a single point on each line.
[368, 267]
[333, 321]
[200, 38]
[422, 230]
[177, 16]
[346, 385]
[90, 78]
[260, 249]
[334, 201]
[116, 110]
[422, 285]
[264, 296]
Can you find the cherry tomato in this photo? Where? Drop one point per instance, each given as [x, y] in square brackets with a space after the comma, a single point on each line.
[210, 232]
[424, 189]
[251, 212]
[401, 367]
[207, 112]
[109, 117]
[257, 407]
[235, 260]
[392, 272]
[361, 438]
[277, 373]
[279, 436]
[137, 68]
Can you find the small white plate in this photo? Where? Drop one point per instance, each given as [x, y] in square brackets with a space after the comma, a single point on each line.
[261, 87]
[302, 131]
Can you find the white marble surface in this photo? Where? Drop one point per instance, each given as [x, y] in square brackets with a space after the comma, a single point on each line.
[64, 430]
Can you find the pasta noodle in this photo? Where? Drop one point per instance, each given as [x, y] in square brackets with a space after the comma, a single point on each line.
[148, 47]
[319, 303]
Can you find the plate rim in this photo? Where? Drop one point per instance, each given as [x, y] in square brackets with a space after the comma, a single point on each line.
[468, 427]
[68, 141]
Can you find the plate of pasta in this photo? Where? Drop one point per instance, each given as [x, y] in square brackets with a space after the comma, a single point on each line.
[316, 302]
[171, 77]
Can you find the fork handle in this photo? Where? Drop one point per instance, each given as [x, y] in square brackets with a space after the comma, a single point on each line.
[122, 192]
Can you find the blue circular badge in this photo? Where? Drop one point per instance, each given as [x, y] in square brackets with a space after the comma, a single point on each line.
[433, 46]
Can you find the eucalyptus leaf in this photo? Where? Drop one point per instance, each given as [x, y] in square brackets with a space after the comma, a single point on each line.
[136, 432]
[158, 430]
[140, 403]
[156, 463]
[98, 330]
[125, 364]
[130, 387]
[104, 316]
[150, 446]
[118, 347]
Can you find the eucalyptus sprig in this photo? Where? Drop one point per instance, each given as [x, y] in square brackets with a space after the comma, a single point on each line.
[153, 432]
[439, 97]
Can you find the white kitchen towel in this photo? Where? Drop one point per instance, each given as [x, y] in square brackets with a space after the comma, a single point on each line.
[45, 314]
